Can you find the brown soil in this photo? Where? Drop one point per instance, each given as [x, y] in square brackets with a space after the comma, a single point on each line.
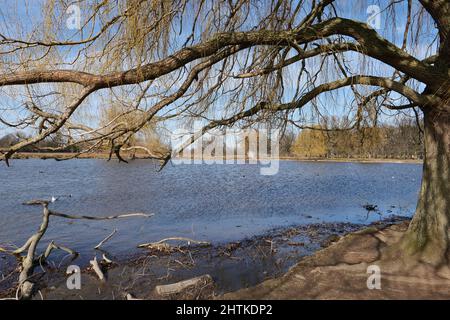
[340, 272]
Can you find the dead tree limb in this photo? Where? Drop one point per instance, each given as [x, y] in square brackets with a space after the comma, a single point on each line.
[105, 258]
[53, 246]
[163, 246]
[106, 239]
[28, 262]
[129, 296]
[179, 287]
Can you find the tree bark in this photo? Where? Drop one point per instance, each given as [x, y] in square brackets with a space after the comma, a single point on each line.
[427, 237]
[26, 285]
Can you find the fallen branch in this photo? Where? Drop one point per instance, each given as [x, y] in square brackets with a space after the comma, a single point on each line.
[108, 261]
[36, 202]
[97, 269]
[179, 287]
[130, 297]
[162, 243]
[25, 289]
[106, 239]
[127, 215]
[160, 247]
[53, 246]
[3, 250]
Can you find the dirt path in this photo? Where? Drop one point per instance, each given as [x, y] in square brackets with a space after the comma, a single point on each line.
[340, 272]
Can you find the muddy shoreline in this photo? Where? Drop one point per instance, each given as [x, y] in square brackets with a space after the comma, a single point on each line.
[233, 265]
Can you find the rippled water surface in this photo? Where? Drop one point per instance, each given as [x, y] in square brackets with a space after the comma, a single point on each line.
[207, 202]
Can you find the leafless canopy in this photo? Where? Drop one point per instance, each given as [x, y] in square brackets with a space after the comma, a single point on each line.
[227, 62]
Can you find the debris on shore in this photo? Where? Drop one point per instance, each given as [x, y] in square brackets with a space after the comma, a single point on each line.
[230, 266]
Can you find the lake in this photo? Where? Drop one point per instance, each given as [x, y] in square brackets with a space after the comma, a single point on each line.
[215, 203]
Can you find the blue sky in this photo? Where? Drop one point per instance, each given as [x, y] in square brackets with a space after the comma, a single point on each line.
[31, 14]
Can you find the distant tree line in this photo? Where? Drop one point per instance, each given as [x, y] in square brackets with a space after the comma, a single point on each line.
[334, 139]
[46, 145]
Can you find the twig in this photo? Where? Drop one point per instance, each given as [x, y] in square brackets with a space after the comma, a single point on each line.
[108, 261]
[106, 239]
[130, 297]
[52, 246]
[3, 250]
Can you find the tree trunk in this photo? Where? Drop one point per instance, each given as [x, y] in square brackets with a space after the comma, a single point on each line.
[427, 237]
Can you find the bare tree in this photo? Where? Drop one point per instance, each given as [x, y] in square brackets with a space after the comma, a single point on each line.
[236, 63]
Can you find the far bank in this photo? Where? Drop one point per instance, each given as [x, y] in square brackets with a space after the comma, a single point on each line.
[128, 156]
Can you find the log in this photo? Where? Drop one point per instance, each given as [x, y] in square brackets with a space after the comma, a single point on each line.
[178, 287]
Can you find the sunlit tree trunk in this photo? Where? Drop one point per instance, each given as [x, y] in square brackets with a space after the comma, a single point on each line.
[427, 236]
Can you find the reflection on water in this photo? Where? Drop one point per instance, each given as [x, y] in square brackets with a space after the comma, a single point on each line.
[207, 202]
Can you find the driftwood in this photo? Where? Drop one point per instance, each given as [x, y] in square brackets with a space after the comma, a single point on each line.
[106, 239]
[163, 246]
[28, 263]
[185, 285]
[127, 215]
[3, 250]
[53, 246]
[100, 267]
[129, 296]
[96, 267]
[107, 261]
